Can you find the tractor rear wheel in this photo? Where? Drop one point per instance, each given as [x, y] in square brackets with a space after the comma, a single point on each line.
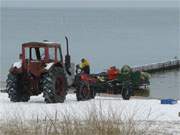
[15, 89]
[54, 85]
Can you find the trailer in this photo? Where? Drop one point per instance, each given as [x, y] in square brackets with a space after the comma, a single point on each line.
[125, 82]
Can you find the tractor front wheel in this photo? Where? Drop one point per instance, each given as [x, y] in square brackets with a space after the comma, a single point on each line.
[15, 89]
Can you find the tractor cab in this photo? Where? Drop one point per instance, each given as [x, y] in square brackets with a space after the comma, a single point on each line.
[37, 55]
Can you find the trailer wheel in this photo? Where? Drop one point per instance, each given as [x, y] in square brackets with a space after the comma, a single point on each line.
[126, 93]
[93, 93]
[54, 86]
[15, 89]
[83, 92]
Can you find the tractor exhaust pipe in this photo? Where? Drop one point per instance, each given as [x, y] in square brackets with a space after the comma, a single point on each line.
[67, 45]
[67, 57]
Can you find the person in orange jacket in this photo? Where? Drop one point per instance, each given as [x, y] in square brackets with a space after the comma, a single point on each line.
[113, 73]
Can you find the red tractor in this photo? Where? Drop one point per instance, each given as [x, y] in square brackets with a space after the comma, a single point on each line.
[41, 70]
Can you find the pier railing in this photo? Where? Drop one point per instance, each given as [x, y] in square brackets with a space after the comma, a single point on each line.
[156, 67]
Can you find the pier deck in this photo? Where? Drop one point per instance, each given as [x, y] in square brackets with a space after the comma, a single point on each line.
[157, 67]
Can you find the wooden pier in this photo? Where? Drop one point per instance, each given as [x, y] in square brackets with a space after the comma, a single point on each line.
[157, 67]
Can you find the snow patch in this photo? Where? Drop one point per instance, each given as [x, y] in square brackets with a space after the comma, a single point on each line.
[48, 66]
[17, 64]
[140, 109]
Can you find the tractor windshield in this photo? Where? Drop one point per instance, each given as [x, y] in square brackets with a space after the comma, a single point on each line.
[35, 53]
[51, 53]
[38, 53]
[43, 53]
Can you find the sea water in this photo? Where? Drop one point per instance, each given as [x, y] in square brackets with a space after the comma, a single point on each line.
[105, 36]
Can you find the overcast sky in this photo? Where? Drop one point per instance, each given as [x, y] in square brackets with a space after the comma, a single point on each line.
[90, 3]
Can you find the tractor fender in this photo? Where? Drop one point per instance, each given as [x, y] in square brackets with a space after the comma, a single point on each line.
[17, 64]
[16, 67]
[49, 66]
[70, 78]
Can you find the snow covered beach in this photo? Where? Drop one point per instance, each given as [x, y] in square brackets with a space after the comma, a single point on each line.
[147, 110]
[142, 109]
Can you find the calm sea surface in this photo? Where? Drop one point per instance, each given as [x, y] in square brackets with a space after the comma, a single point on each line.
[106, 36]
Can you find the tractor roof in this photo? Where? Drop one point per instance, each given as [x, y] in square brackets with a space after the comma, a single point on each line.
[40, 44]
